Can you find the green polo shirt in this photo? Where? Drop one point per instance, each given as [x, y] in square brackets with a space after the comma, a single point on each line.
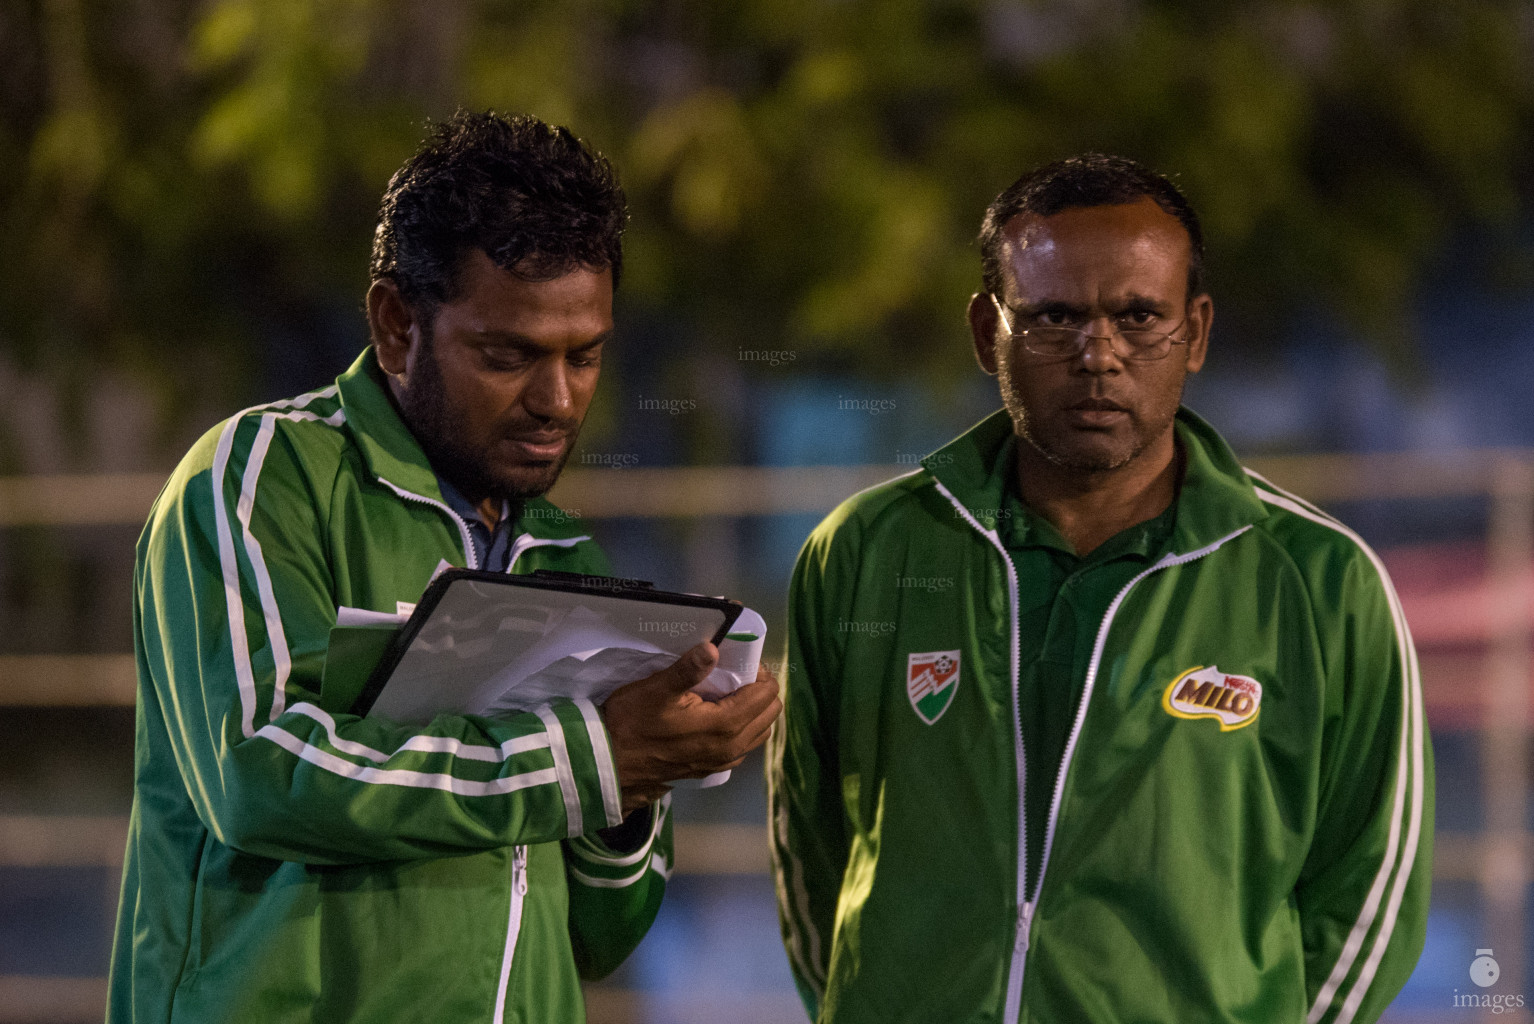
[1061, 601]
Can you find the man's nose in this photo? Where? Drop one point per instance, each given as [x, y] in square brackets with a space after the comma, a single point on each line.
[548, 394]
[1099, 352]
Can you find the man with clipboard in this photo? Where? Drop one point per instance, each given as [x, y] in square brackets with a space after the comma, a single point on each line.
[290, 860]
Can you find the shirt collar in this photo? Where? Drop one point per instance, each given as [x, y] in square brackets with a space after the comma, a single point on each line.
[1020, 526]
[467, 510]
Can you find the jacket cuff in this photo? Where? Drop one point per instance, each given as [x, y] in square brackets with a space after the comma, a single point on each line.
[594, 863]
[583, 761]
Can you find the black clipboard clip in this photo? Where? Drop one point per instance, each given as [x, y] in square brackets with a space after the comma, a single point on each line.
[586, 581]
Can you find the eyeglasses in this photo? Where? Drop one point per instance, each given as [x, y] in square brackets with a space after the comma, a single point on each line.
[1132, 341]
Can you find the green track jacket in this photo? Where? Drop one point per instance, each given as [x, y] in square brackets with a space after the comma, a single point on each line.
[1240, 828]
[290, 862]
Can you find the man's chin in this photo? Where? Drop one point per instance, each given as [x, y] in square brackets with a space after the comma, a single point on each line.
[1086, 454]
[529, 481]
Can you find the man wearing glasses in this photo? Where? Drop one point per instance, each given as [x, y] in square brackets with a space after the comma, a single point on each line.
[1157, 752]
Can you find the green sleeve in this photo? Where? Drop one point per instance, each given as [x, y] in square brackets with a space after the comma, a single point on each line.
[615, 894]
[1363, 892]
[234, 606]
[809, 846]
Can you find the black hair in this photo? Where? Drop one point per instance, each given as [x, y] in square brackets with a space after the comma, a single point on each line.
[531, 195]
[1091, 179]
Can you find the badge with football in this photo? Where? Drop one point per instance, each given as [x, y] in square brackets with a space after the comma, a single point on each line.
[931, 680]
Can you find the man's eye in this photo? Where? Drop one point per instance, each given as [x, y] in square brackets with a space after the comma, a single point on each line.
[1054, 318]
[1138, 318]
[504, 359]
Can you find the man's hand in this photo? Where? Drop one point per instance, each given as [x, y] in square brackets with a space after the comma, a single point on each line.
[661, 732]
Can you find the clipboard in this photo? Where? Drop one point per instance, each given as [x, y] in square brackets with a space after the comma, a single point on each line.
[474, 630]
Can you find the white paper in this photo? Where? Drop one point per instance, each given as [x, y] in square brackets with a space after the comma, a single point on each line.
[738, 661]
[346, 616]
[490, 649]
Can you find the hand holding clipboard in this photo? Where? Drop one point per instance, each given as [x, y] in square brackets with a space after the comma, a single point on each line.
[662, 731]
[490, 643]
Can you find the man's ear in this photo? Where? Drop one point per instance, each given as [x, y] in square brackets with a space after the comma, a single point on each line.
[393, 327]
[1200, 320]
[982, 329]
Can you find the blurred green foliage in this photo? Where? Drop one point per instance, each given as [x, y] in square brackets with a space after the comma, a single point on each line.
[187, 177]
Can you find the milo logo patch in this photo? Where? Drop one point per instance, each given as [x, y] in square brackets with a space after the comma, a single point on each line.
[1233, 701]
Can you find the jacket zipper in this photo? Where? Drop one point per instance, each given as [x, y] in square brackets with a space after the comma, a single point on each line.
[1165, 562]
[513, 928]
[1029, 904]
[1025, 906]
[463, 528]
[526, 542]
[522, 544]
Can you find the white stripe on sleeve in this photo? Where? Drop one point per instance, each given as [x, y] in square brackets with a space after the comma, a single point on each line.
[276, 637]
[401, 776]
[804, 937]
[1396, 865]
[423, 744]
[607, 771]
[564, 772]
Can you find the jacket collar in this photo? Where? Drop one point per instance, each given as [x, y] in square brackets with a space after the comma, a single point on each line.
[389, 449]
[1216, 498]
[392, 453]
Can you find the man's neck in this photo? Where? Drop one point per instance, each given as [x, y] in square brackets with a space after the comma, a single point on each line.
[489, 510]
[486, 509]
[1088, 508]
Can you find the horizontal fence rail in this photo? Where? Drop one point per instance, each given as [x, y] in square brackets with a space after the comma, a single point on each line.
[123, 499]
[107, 499]
[66, 680]
[96, 841]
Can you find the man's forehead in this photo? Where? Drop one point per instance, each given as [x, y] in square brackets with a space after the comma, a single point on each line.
[1138, 236]
[484, 282]
[1140, 216]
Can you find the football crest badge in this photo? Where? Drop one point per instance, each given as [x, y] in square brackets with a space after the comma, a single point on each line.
[931, 680]
[1233, 701]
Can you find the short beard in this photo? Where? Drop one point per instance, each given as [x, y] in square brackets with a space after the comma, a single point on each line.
[1088, 461]
[424, 408]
